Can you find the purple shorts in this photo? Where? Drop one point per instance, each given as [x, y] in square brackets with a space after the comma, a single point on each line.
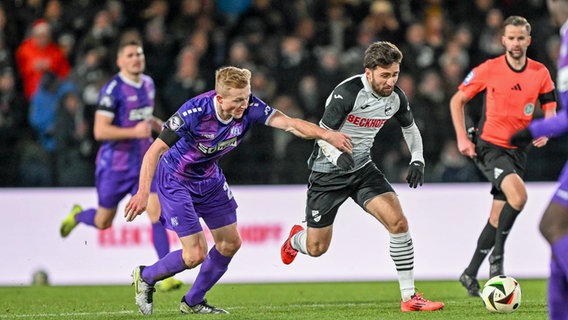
[561, 194]
[113, 186]
[184, 202]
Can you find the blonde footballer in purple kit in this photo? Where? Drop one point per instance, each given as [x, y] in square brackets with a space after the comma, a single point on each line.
[192, 186]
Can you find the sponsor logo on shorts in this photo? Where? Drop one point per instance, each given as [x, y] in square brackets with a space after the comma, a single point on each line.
[316, 215]
[174, 221]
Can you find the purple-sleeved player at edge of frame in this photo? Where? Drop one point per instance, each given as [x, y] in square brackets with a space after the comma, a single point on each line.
[554, 221]
[191, 185]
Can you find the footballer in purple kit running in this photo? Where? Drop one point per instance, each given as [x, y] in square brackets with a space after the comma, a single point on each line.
[123, 123]
[359, 106]
[554, 221]
[184, 163]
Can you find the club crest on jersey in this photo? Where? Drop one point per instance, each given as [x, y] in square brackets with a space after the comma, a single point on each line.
[468, 78]
[235, 131]
[529, 109]
[175, 122]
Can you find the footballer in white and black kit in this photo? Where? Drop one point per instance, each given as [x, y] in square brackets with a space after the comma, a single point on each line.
[354, 109]
[359, 107]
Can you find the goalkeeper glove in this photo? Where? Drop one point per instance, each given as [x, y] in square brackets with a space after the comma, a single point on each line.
[521, 138]
[415, 175]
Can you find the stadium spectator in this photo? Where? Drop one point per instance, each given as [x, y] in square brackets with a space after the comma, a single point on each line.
[27, 12]
[514, 84]
[359, 106]
[415, 45]
[490, 44]
[43, 115]
[191, 184]
[12, 123]
[294, 62]
[8, 34]
[39, 54]
[54, 15]
[73, 143]
[185, 83]
[100, 36]
[554, 221]
[123, 123]
[160, 54]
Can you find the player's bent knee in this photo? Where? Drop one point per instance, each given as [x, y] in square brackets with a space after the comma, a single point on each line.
[316, 250]
[194, 258]
[103, 225]
[399, 226]
[229, 249]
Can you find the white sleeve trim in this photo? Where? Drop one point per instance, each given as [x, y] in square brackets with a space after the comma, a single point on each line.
[329, 151]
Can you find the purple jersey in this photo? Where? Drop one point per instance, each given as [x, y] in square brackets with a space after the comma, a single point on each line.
[127, 103]
[557, 125]
[205, 137]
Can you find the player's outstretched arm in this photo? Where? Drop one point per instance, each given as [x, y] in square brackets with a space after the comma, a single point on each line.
[137, 204]
[307, 130]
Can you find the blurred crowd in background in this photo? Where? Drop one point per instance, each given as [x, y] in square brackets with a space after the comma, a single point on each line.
[298, 50]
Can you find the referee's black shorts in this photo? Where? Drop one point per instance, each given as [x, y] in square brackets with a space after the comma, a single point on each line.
[497, 162]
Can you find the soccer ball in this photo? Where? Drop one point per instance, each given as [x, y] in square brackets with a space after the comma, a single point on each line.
[501, 294]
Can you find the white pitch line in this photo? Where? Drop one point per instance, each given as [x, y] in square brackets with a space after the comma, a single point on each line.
[86, 314]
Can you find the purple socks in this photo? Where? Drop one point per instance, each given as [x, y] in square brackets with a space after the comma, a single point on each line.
[87, 217]
[558, 282]
[212, 269]
[164, 268]
[160, 239]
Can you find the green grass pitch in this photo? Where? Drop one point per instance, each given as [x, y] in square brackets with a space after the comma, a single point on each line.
[333, 300]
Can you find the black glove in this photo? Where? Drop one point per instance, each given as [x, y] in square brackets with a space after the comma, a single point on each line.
[415, 175]
[521, 138]
[345, 161]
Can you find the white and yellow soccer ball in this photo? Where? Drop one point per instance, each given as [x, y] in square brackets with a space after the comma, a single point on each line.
[502, 294]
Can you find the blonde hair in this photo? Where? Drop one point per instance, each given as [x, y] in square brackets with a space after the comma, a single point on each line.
[231, 77]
